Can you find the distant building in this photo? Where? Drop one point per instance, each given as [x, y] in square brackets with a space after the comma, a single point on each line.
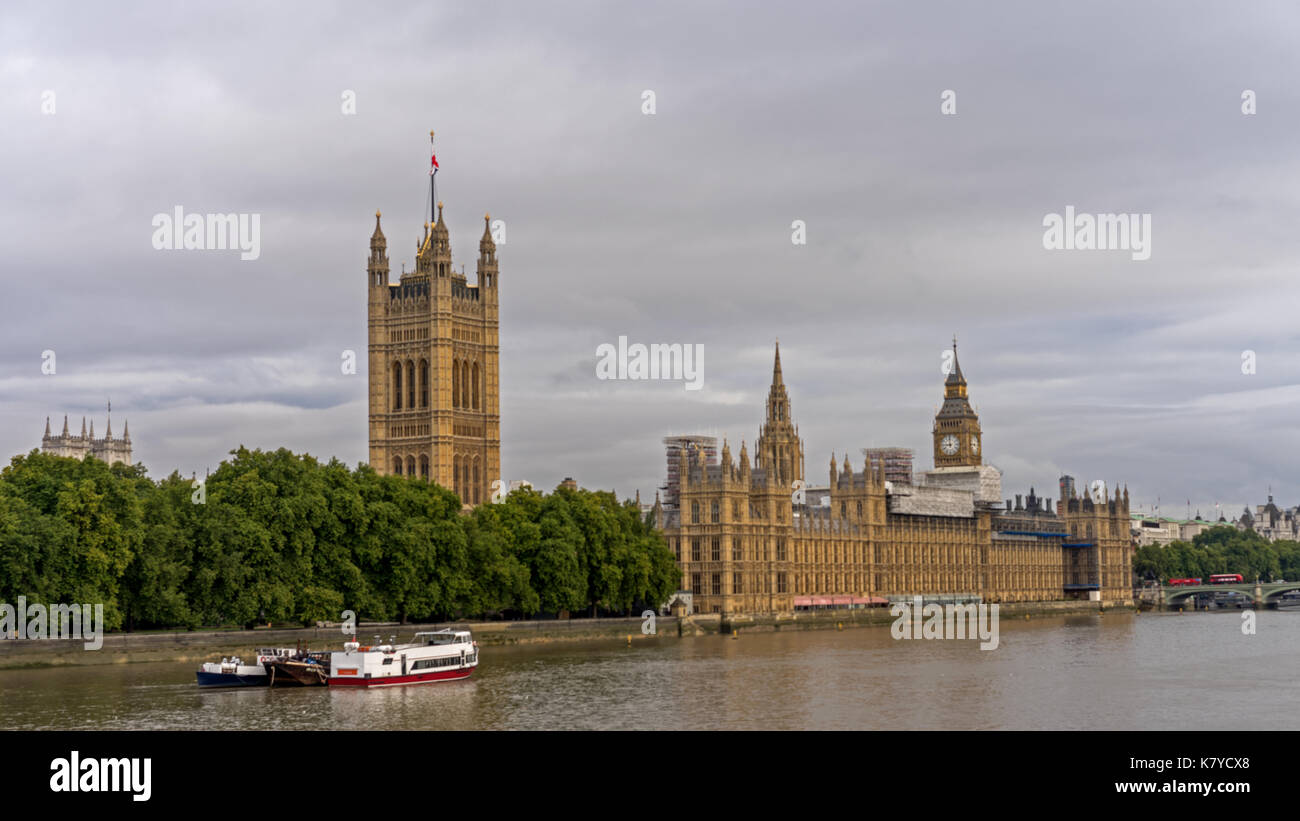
[106, 449]
[1067, 487]
[569, 483]
[817, 496]
[896, 462]
[1157, 530]
[674, 447]
[1271, 522]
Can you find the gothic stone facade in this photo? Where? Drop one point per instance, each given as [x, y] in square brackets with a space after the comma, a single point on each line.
[106, 448]
[433, 366]
[745, 543]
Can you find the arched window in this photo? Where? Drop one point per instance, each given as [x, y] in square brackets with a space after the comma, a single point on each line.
[714, 513]
[397, 466]
[410, 466]
[464, 478]
[397, 386]
[475, 386]
[410, 389]
[424, 468]
[695, 513]
[455, 475]
[464, 384]
[455, 383]
[424, 383]
[476, 481]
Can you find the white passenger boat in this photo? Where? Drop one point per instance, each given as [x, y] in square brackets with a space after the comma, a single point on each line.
[442, 655]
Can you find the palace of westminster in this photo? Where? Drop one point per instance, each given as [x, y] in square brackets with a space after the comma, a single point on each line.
[749, 538]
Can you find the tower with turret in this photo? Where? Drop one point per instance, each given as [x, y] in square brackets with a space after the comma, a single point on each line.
[779, 449]
[433, 364]
[956, 426]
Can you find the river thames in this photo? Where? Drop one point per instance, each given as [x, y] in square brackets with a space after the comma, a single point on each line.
[1112, 672]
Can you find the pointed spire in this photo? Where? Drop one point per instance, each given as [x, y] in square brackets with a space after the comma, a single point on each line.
[83, 427]
[955, 376]
[126, 431]
[47, 427]
[487, 256]
[377, 238]
[65, 425]
[92, 428]
[778, 409]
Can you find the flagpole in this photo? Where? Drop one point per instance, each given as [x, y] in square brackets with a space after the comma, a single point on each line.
[433, 187]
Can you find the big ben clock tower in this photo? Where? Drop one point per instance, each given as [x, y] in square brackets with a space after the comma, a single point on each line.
[956, 426]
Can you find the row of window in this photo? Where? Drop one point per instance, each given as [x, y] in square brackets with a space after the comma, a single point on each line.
[468, 483]
[409, 465]
[934, 523]
[761, 581]
[465, 385]
[443, 661]
[715, 512]
[407, 334]
[409, 398]
[466, 477]
[712, 583]
[857, 553]
[715, 550]
[401, 431]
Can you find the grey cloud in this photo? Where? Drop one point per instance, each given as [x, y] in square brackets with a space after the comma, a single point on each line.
[672, 228]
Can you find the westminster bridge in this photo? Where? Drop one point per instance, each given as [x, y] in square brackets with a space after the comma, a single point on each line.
[1261, 593]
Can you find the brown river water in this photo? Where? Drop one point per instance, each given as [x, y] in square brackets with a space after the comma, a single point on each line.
[1117, 671]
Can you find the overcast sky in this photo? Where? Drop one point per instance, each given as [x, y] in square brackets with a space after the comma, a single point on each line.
[672, 227]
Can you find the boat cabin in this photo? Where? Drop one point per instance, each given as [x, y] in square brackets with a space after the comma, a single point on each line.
[446, 636]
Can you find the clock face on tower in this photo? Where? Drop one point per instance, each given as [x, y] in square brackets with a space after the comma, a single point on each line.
[948, 444]
[975, 444]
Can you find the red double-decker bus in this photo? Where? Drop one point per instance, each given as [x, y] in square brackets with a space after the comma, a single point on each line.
[1226, 578]
[1183, 582]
